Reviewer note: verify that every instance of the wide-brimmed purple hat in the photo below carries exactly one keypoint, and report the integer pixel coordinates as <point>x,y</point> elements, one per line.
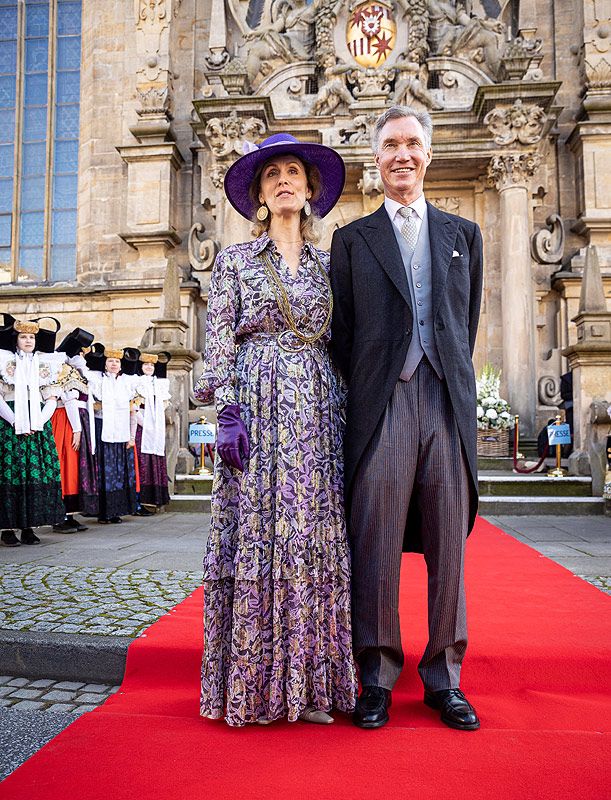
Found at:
<point>241,173</point>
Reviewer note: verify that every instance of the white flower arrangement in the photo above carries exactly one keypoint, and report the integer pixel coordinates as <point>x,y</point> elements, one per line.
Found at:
<point>493,413</point>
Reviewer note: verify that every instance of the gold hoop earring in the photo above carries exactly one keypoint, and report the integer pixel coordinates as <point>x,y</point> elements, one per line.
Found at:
<point>262,213</point>
<point>307,208</point>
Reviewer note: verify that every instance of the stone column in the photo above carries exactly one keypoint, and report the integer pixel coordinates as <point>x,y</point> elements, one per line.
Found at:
<point>509,173</point>
<point>590,362</point>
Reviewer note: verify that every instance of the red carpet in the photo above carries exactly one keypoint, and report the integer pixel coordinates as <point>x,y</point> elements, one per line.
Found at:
<point>537,669</point>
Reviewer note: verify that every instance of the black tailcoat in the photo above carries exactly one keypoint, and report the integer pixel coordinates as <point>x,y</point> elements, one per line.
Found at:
<point>373,321</point>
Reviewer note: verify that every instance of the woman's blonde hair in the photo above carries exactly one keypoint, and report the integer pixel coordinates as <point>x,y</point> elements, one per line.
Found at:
<point>308,224</point>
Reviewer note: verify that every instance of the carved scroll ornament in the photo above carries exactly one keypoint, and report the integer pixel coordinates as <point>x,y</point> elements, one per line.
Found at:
<point>202,252</point>
<point>547,244</point>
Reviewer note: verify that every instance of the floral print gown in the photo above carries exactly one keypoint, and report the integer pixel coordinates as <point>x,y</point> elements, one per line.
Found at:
<point>277,567</point>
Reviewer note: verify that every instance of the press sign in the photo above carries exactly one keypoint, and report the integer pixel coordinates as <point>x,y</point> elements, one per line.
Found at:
<point>559,434</point>
<point>202,433</point>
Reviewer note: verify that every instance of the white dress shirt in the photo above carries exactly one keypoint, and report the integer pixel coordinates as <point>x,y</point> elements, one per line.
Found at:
<point>419,212</point>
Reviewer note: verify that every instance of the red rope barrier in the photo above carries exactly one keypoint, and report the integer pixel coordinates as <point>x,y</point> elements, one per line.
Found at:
<point>523,470</point>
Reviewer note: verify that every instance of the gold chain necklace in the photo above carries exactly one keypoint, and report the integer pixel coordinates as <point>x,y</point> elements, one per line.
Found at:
<point>284,304</point>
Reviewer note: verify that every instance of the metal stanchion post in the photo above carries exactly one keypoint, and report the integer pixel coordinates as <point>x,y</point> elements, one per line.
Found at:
<point>558,471</point>
<point>517,438</point>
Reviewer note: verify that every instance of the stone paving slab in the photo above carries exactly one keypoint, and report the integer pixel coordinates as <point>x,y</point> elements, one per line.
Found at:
<point>65,696</point>
<point>581,544</point>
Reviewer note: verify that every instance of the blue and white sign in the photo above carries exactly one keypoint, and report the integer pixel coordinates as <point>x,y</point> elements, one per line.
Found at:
<point>202,433</point>
<point>559,434</point>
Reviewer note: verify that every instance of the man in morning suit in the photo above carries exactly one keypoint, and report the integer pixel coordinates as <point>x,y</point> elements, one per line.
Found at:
<point>407,283</point>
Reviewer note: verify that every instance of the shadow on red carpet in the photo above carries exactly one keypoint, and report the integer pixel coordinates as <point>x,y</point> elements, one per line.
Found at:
<point>537,670</point>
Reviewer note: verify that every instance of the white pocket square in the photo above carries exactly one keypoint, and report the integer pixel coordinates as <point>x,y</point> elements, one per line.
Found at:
<point>455,254</point>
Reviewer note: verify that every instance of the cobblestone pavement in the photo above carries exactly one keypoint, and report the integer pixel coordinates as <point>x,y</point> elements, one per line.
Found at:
<point>92,600</point>
<point>72,697</point>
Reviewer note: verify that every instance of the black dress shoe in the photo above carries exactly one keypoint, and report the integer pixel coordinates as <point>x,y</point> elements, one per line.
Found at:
<point>144,512</point>
<point>9,539</point>
<point>29,537</point>
<point>115,520</point>
<point>456,711</point>
<point>77,525</point>
<point>372,707</point>
<point>65,527</point>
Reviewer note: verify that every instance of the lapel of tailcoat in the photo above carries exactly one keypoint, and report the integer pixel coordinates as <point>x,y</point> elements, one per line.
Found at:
<point>380,238</point>
<point>442,236</point>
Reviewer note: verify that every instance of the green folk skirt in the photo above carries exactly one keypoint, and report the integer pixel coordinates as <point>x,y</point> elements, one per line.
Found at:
<point>30,486</point>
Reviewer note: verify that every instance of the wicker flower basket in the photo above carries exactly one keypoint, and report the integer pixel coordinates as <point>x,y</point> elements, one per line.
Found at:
<point>493,443</point>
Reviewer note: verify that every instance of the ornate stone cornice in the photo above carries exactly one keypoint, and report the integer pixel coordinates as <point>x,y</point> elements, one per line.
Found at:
<point>512,169</point>
<point>518,123</point>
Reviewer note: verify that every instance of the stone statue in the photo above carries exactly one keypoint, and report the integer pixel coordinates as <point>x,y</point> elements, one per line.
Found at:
<point>410,84</point>
<point>334,91</point>
<point>273,41</point>
<point>454,31</point>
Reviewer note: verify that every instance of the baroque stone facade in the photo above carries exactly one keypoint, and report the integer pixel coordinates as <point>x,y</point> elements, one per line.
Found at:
<point>520,94</point>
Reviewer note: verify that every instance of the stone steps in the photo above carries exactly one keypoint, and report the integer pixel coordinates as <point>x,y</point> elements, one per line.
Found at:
<point>501,493</point>
<point>490,505</point>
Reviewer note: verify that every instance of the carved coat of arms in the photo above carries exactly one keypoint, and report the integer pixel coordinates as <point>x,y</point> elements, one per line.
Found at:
<point>371,33</point>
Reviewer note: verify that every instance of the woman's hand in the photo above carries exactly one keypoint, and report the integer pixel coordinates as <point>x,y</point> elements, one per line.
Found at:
<point>130,444</point>
<point>76,440</point>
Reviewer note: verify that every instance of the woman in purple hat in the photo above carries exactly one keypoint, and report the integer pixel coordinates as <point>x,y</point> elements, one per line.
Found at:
<point>277,566</point>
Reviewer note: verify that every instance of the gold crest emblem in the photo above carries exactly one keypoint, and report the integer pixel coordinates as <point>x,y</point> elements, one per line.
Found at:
<point>371,33</point>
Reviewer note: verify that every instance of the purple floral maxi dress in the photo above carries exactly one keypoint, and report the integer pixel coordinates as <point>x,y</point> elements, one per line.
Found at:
<point>277,566</point>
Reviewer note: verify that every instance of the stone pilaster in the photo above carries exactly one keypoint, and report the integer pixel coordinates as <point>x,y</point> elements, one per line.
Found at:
<point>509,173</point>
<point>590,361</point>
<point>590,140</point>
<point>154,163</point>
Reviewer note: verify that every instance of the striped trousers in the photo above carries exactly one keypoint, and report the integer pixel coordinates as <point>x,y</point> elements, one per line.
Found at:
<point>414,462</point>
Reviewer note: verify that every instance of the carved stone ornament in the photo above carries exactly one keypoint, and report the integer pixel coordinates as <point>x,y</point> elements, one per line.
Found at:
<point>225,135</point>
<point>449,204</point>
<point>153,101</point>
<point>597,45</point>
<point>361,130</point>
<point>512,169</point>
<point>549,391</point>
<point>202,252</point>
<point>234,77</point>
<point>370,82</point>
<point>517,58</point>
<point>547,244</point>
<point>520,123</point>
<point>371,183</point>
<point>154,73</point>
<point>217,174</point>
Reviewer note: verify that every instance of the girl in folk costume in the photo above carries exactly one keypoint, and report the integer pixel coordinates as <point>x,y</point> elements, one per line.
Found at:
<point>115,429</point>
<point>30,488</point>
<point>74,433</point>
<point>154,395</point>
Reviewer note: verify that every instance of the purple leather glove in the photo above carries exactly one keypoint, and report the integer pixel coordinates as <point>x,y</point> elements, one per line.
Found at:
<point>232,438</point>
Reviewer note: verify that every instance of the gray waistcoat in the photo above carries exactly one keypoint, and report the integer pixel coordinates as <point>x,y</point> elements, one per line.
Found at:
<point>419,279</point>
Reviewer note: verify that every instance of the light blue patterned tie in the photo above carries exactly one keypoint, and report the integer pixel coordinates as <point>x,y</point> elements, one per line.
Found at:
<point>409,230</point>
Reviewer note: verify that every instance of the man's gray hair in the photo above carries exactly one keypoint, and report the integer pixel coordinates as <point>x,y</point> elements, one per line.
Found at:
<point>396,112</point>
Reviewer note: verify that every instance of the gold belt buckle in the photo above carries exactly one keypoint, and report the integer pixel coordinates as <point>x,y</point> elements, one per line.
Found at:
<point>290,348</point>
